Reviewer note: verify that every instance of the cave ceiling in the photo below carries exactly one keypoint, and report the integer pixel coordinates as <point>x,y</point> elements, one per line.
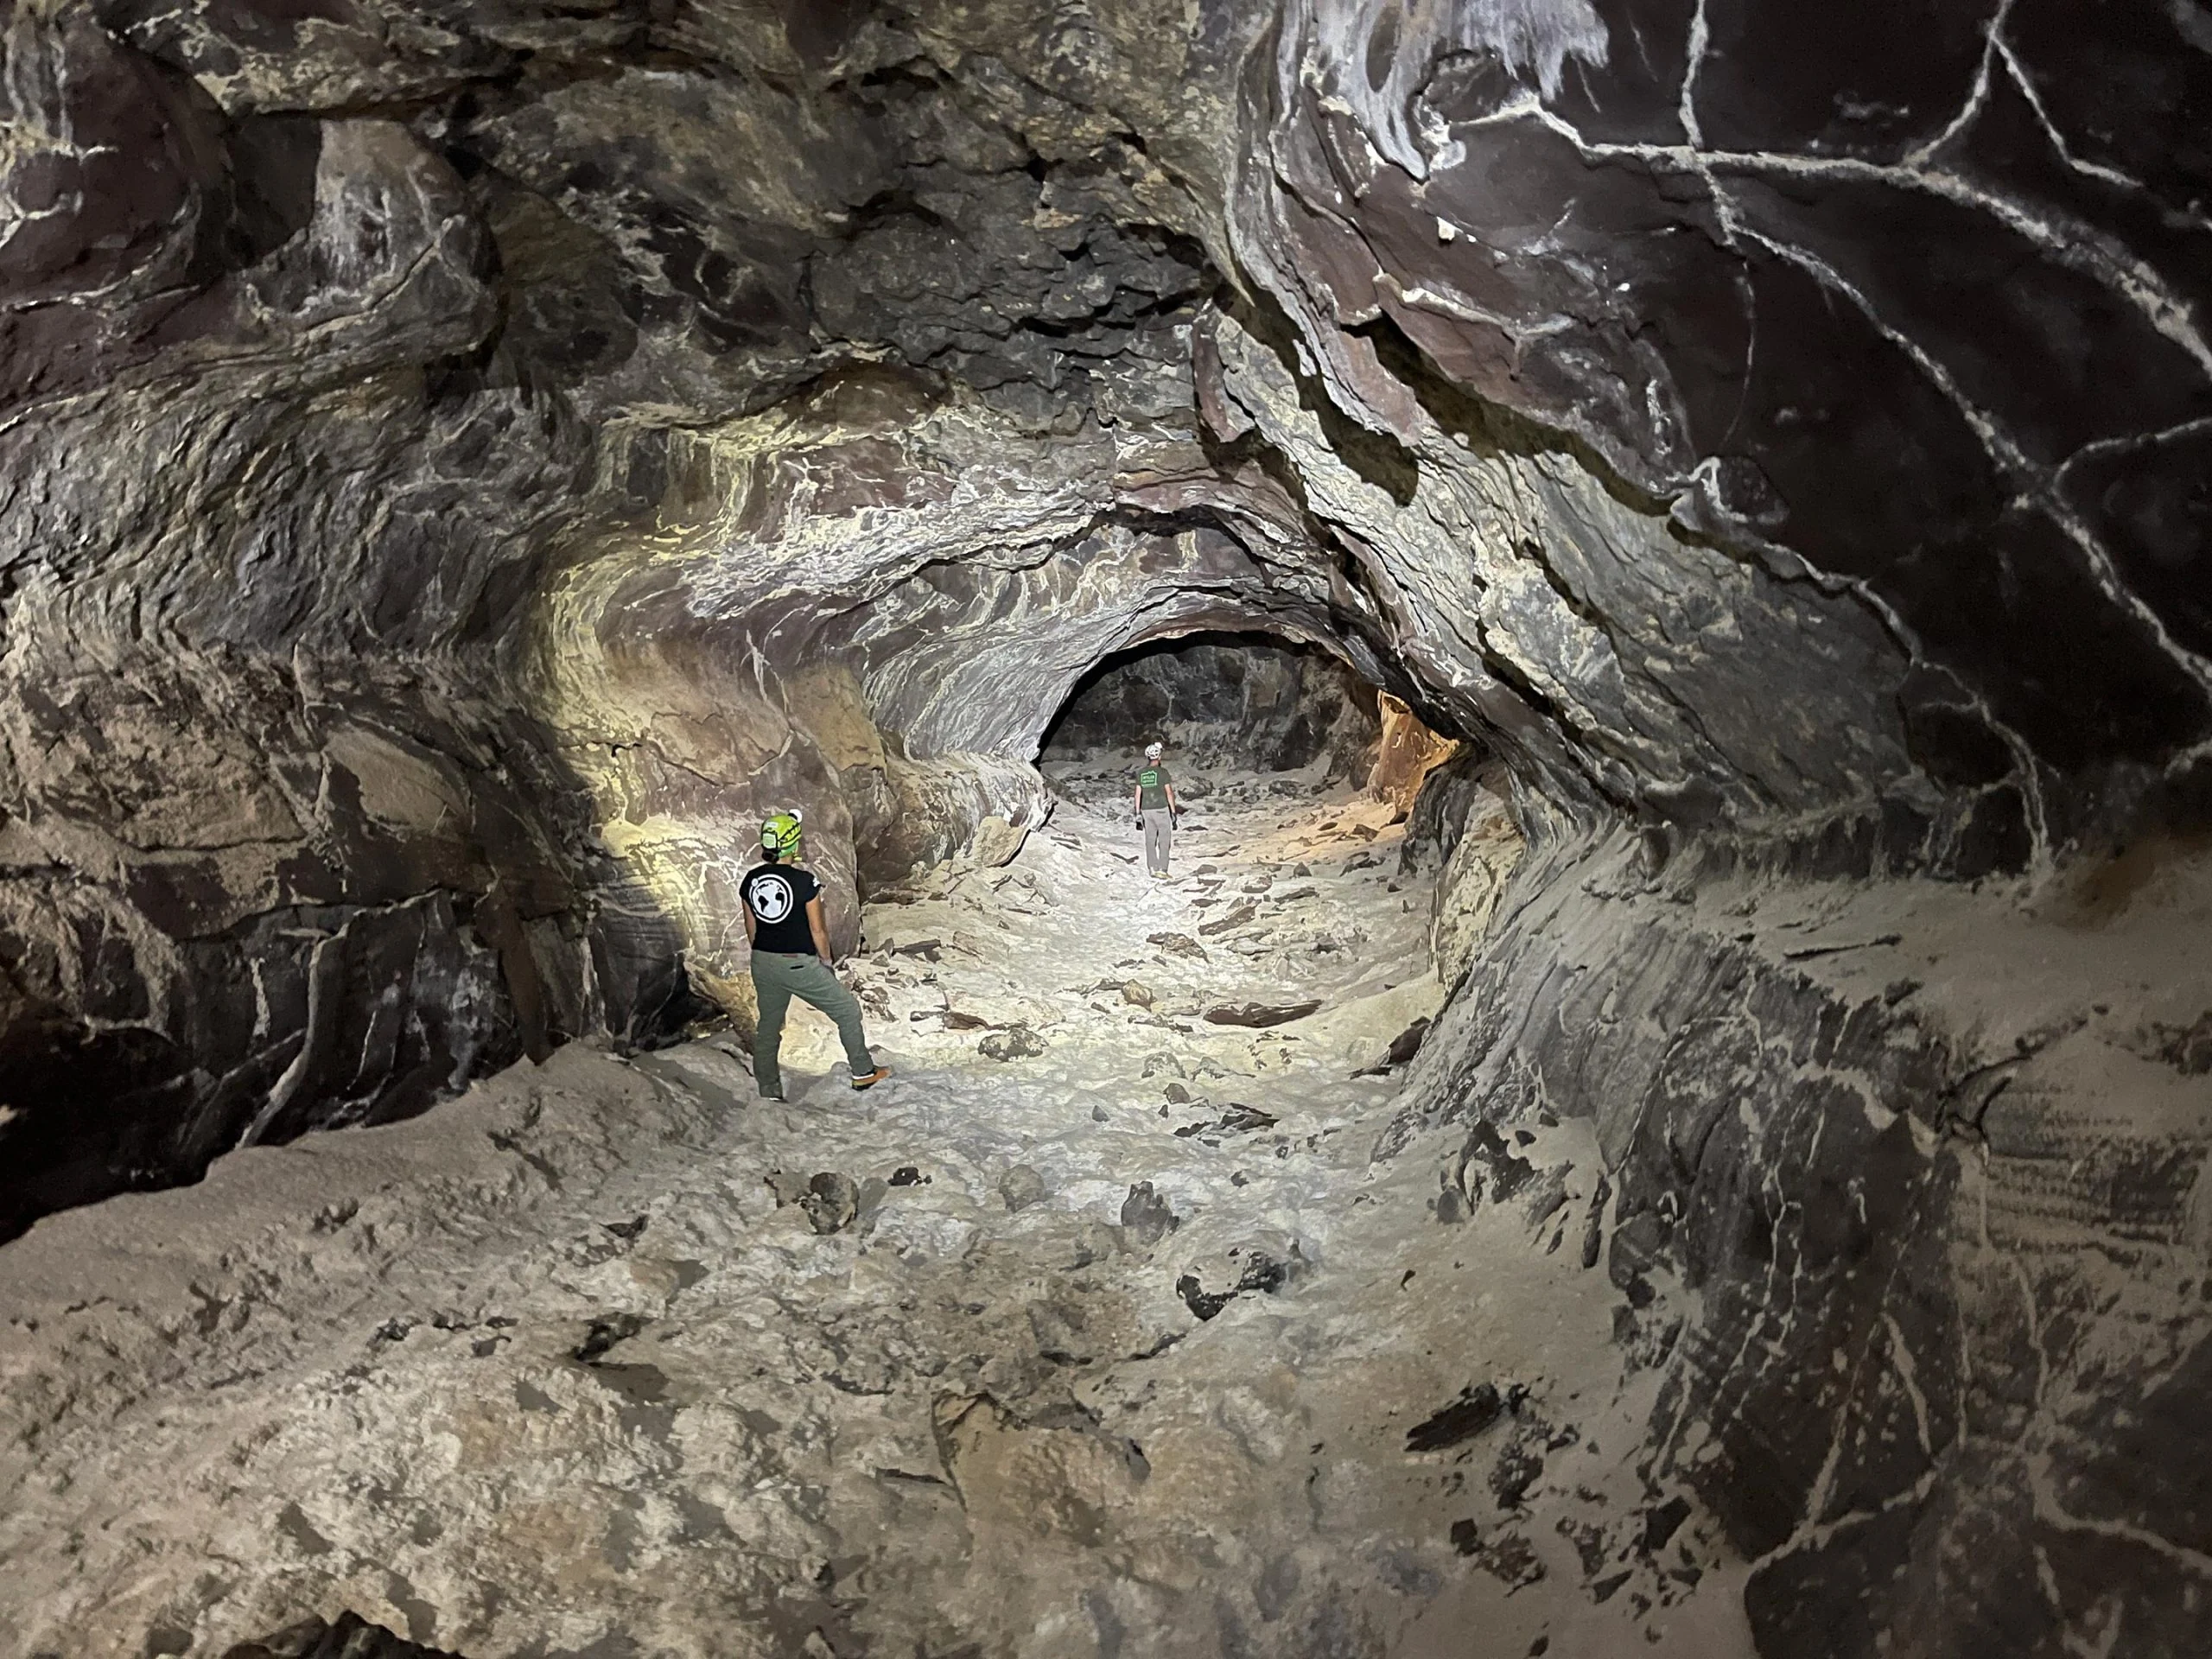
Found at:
<point>1565,334</point>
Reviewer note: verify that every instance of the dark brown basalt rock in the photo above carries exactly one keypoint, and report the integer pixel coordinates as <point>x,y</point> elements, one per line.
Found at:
<point>1260,1016</point>
<point>1805,1164</point>
<point>350,1637</point>
<point>449,500</point>
<point>1475,1410</point>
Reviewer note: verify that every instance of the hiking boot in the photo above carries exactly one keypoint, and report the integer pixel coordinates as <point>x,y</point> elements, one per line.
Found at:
<point>873,1077</point>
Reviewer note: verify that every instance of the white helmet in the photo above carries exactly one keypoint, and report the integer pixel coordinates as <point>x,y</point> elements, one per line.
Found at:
<point>1152,750</point>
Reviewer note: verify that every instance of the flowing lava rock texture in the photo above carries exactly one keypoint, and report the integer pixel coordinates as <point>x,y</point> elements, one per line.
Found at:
<point>465,460</point>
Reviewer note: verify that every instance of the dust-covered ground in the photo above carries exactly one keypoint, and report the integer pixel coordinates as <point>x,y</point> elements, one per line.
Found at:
<point>1093,1332</point>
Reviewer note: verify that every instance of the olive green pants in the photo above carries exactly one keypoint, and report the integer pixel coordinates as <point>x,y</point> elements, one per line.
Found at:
<point>777,978</point>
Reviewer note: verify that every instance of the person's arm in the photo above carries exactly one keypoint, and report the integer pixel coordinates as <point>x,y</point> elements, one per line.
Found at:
<point>749,923</point>
<point>1137,802</point>
<point>819,928</point>
<point>1174,806</point>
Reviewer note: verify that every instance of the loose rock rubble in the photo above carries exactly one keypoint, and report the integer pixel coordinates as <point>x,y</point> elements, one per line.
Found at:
<point>609,1356</point>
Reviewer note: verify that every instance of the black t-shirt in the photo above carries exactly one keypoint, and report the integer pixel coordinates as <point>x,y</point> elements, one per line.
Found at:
<point>777,895</point>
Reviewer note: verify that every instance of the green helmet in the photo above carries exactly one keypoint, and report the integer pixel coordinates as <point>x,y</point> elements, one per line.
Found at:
<point>780,834</point>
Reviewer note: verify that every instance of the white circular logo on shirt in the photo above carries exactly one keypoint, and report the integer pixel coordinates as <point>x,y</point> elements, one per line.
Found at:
<point>771,897</point>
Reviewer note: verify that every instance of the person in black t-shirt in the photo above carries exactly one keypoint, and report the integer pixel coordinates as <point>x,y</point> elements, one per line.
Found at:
<point>790,957</point>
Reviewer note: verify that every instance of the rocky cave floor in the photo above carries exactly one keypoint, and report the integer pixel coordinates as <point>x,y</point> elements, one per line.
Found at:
<point>1094,1332</point>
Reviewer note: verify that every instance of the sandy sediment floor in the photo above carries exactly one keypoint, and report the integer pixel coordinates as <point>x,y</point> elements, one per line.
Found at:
<point>1093,1332</point>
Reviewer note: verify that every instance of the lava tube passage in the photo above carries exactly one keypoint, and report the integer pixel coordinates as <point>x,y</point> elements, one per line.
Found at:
<point>1311,830</point>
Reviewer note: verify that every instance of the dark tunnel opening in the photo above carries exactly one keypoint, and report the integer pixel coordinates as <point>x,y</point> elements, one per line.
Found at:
<point>1254,711</point>
<point>1252,700</point>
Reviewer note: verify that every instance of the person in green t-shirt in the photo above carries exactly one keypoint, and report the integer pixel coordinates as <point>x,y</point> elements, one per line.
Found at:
<point>1157,809</point>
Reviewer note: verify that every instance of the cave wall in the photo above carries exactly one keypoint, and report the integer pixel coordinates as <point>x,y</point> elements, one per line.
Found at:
<point>275,857</point>
<point>1904,1176</point>
<point>448,500</point>
<point>1907,1218</point>
<point>1867,335</point>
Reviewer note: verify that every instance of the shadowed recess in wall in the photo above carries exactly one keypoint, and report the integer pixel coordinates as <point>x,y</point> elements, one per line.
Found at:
<point>350,1637</point>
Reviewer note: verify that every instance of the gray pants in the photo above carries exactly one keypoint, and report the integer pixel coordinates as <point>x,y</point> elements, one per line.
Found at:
<point>1158,833</point>
<point>777,978</point>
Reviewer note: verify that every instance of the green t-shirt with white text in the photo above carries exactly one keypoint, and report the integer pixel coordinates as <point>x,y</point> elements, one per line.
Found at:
<point>1152,782</point>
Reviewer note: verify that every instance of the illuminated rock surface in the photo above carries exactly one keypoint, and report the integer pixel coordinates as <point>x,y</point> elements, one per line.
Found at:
<point>465,460</point>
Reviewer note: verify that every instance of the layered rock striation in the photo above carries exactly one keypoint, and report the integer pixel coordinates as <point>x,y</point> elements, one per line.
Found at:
<point>465,461</point>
